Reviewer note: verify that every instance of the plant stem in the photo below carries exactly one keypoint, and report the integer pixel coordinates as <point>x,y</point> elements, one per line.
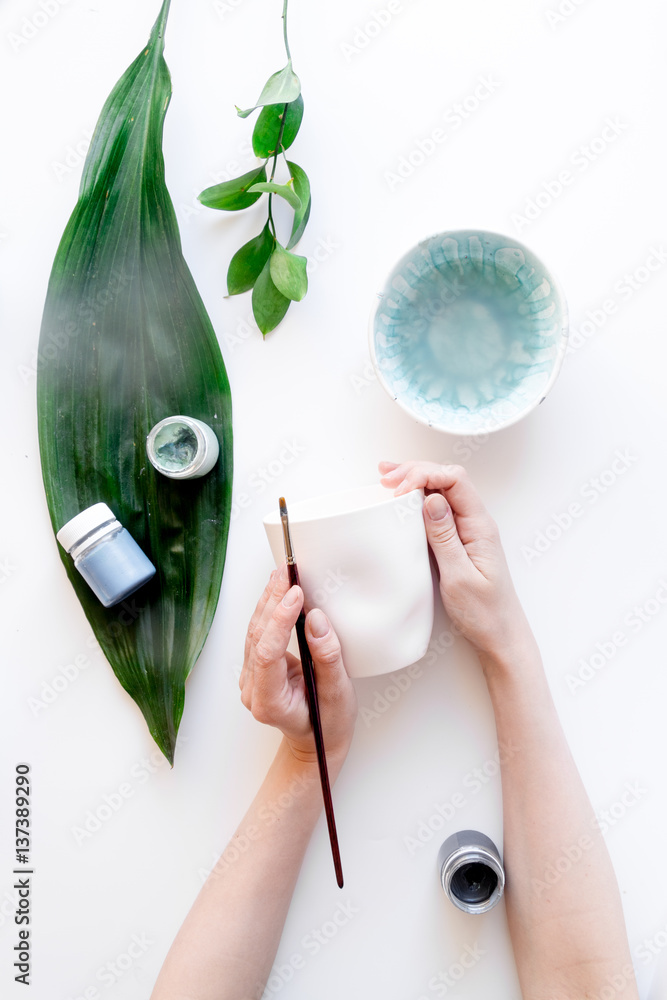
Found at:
<point>289,56</point>
<point>276,153</point>
<point>282,124</point>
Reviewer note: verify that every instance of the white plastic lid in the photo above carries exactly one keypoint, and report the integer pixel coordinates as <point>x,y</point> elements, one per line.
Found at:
<point>82,524</point>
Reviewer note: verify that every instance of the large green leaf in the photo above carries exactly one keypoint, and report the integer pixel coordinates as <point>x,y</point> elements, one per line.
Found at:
<point>129,342</point>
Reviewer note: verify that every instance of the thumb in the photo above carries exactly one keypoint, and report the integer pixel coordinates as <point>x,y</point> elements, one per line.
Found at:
<point>441,533</point>
<point>324,648</point>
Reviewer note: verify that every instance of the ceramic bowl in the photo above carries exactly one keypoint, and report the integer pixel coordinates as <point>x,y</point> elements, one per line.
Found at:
<point>469,332</point>
<point>363,559</point>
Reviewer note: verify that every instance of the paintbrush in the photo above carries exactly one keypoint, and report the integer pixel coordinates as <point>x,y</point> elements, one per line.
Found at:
<point>311,696</point>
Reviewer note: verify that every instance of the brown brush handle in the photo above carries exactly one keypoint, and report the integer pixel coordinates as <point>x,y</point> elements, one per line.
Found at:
<point>314,709</point>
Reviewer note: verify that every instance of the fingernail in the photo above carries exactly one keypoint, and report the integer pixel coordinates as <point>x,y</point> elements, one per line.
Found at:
<point>319,626</point>
<point>436,506</point>
<point>291,597</point>
<point>282,572</point>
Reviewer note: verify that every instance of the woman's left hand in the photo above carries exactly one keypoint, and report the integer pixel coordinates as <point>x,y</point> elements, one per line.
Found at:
<point>271,682</point>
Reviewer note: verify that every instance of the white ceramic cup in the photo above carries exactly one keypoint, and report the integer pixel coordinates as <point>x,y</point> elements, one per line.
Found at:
<point>362,557</point>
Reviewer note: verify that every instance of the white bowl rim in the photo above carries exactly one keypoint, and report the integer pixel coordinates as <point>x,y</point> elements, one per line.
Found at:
<point>558,360</point>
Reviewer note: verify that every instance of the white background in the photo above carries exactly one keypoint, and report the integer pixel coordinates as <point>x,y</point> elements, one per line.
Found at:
<point>371,97</point>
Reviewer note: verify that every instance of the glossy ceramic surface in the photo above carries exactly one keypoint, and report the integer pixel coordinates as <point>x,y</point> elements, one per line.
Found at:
<point>469,332</point>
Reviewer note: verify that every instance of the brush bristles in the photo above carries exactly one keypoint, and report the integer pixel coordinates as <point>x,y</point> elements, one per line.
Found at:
<point>283,507</point>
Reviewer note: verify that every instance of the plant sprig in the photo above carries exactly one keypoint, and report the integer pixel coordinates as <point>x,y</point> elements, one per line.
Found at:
<point>276,276</point>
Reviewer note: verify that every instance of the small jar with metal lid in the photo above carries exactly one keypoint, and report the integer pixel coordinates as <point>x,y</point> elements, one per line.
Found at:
<point>471,871</point>
<point>181,447</point>
<point>105,554</point>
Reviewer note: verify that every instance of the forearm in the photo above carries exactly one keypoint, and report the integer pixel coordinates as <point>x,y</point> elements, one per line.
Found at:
<point>563,904</point>
<point>227,944</point>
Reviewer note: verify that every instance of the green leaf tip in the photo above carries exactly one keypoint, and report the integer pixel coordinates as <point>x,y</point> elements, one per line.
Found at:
<point>158,28</point>
<point>236,194</point>
<point>288,273</point>
<point>269,305</point>
<point>281,88</point>
<point>247,263</point>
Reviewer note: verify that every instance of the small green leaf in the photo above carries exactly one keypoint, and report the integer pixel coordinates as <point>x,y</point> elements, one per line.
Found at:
<point>267,128</point>
<point>302,190</point>
<point>284,190</point>
<point>268,304</point>
<point>288,272</point>
<point>281,88</point>
<point>247,263</point>
<point>231,196</point>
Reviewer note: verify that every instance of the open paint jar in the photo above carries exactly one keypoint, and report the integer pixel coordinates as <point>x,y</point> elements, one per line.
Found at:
<point>182,448</point>
<point>471,871</point>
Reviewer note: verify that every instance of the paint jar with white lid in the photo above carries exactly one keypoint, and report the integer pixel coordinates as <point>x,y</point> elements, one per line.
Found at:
<point>181,447</point>
<point>105,554</point>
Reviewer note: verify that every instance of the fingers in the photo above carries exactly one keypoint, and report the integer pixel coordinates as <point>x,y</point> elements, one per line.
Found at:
<point>324,648</point>
<point>274,592</point>
<point>254,621</point>
<point>472,518</point>
<point>271,688</point>
<point>443,536</point>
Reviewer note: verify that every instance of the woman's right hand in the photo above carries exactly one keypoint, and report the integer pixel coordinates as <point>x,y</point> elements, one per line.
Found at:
<point>475,582</point>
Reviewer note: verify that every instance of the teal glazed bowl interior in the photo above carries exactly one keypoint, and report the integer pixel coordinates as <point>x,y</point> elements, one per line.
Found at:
<point>469,332</point>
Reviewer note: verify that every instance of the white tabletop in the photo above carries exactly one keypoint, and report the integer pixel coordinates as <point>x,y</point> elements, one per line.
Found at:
<point>559,104</point>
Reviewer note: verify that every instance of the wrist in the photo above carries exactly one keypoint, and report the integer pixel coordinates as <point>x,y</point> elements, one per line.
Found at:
<point>514,657</point>
<point>302,760</point>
